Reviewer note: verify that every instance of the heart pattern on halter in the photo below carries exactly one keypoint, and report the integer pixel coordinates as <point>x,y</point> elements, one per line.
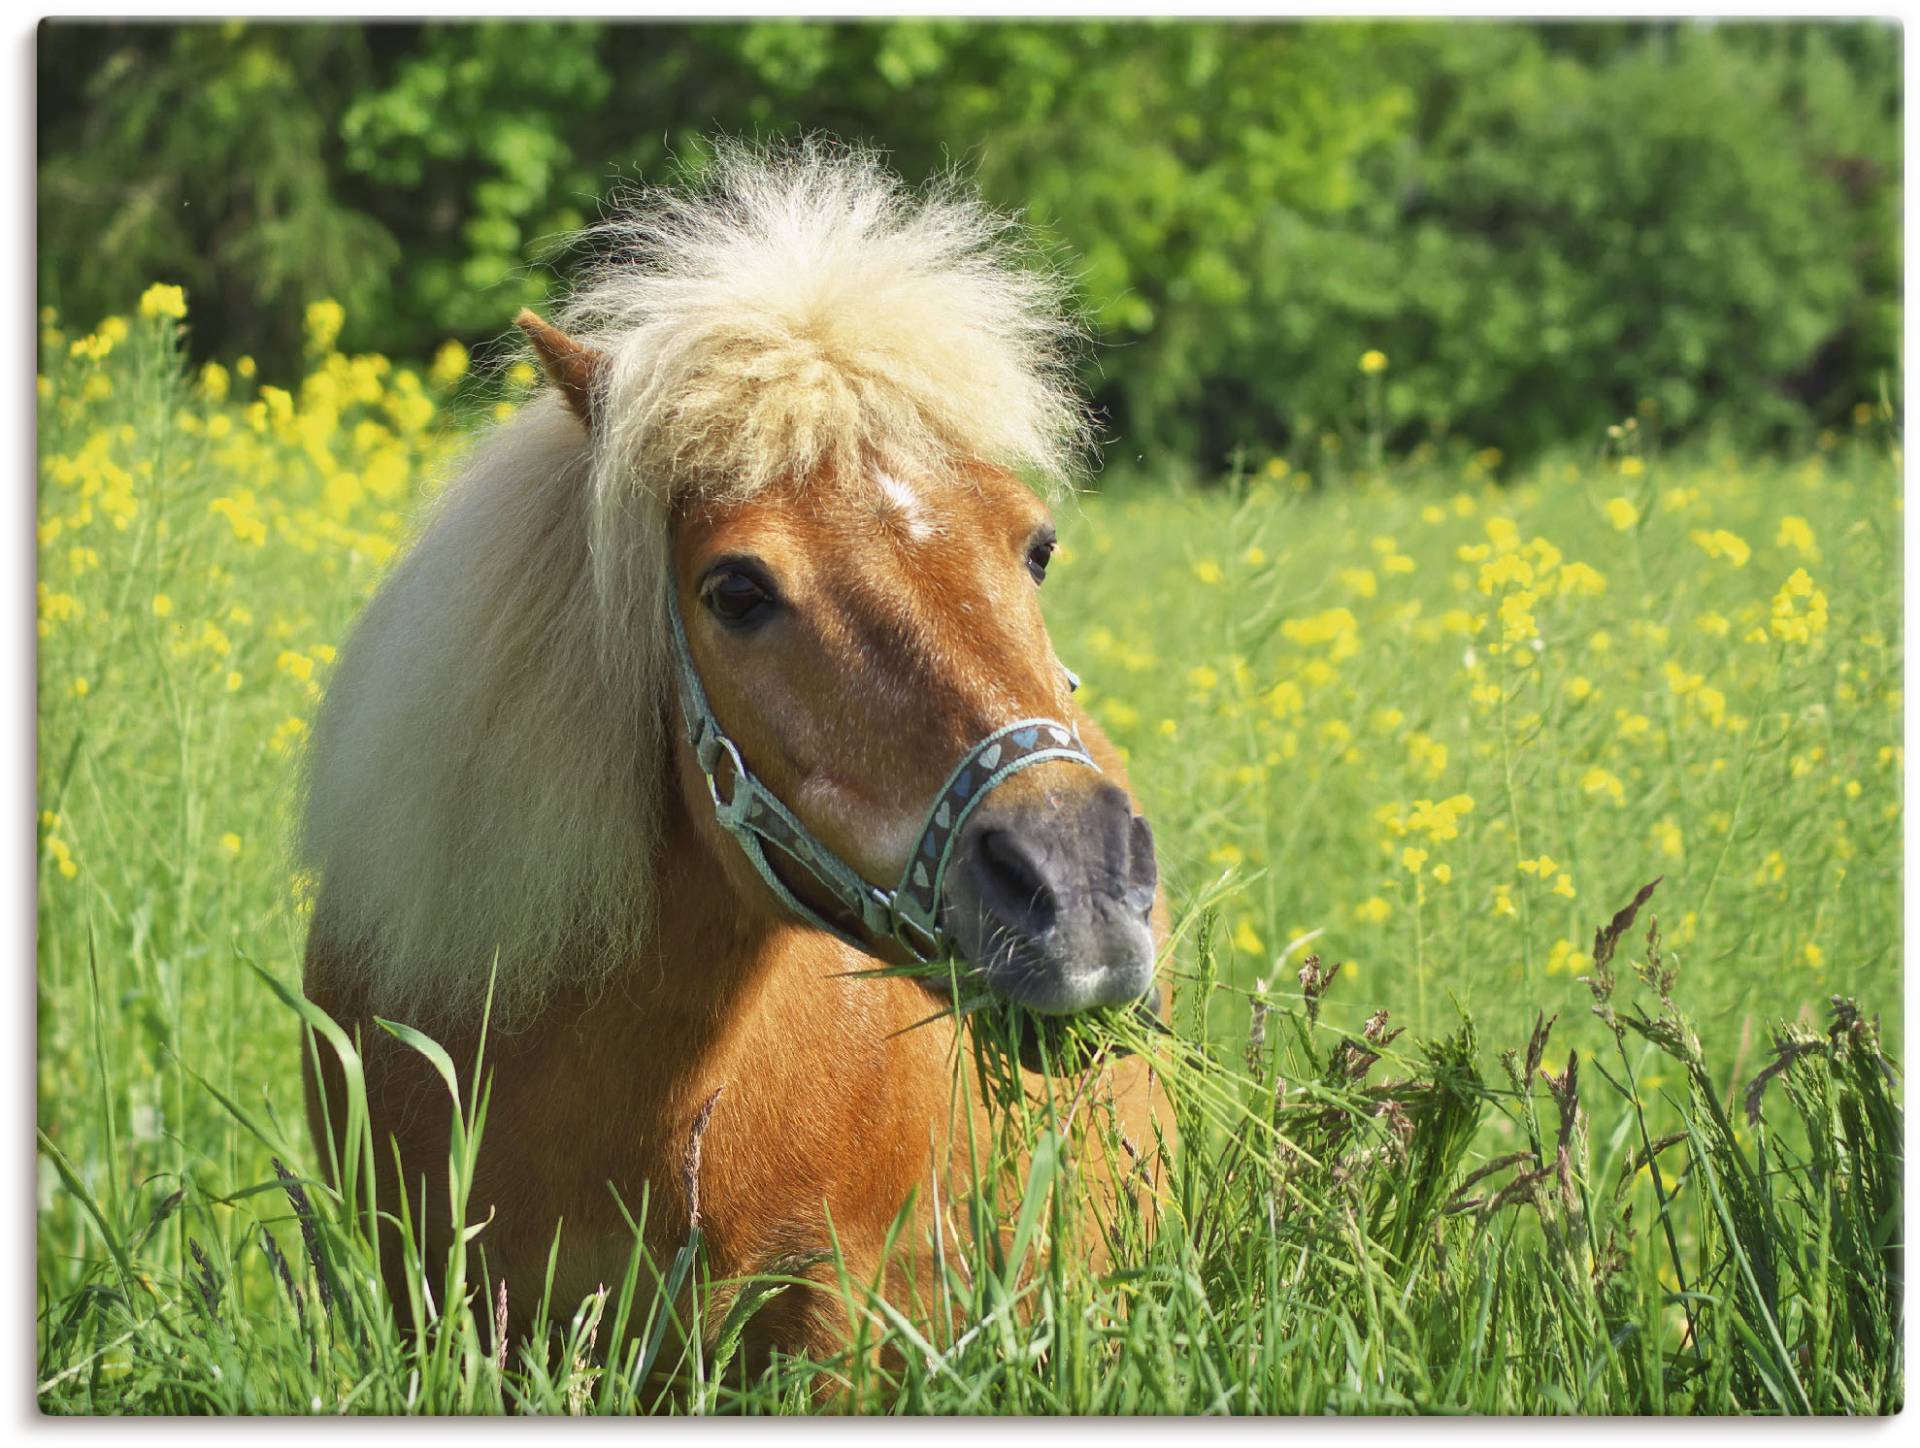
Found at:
<point>1006,751</point>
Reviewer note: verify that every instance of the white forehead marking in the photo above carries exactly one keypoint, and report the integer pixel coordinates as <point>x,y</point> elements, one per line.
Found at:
<point>903,501</point>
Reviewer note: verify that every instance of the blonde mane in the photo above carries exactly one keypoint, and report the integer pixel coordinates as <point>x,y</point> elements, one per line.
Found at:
<point>485,774</point>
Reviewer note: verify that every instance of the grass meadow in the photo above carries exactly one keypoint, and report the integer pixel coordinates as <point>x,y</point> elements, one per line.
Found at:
<point>1472,1121</point>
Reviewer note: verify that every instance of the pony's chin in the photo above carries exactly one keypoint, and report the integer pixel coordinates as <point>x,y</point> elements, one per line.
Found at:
<point>1102,962</point>
<point>1048,1036</point>
<point>1063,1045</point>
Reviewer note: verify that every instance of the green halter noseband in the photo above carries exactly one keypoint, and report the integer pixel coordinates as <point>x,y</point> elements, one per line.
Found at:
<point>908,914</point>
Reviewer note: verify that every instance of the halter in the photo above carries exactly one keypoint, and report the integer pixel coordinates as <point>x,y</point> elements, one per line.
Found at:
<point>909,913</point>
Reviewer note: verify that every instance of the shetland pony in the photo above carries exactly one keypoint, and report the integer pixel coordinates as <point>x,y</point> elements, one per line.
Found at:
<point>734,627</point>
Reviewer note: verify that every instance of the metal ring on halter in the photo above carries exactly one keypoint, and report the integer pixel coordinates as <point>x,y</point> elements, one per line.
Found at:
<point>909,914</point>
<point>734,793</point>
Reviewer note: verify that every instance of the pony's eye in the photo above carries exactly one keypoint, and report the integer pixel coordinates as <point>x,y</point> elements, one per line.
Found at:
<point>736,597</point>
<point>1039,554</point>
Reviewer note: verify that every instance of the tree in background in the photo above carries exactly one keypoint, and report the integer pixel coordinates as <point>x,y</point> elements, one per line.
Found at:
<point>1544,227</point>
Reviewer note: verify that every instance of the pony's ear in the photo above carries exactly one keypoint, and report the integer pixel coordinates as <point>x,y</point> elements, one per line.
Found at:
<point>573,367</point>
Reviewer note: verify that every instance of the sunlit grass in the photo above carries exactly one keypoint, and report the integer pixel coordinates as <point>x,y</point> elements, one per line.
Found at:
<point>1406,740</point>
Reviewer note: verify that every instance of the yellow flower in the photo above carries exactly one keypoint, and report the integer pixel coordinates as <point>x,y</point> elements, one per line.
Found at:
<point>1413,859</point>
<point>62,857</point>
<point>1564,886</point>
<point>1680,681</point>
<point>1503,533</point>
<point>1631,467</point>
<point>324,321</point>
<point>1602,781</point>
<point>1373,361</point>
<point>1504,570</point>
<point>1796,534</point>
<point>1799,610</point>
<point>1719,543</point>
<point>1443,874</point>
<point>230,842</point>
<point>1439,821</point>
<point>1208,571</point>
<point>1246,938</point>
<point>161,300</point>
<point>81,688</point>
<point>1373,910</point>
<point>1428,753</point>
<point>162,605</point>
<point>1565,957</point>
<point>449,365</point>
<point>288,733</point>
<point>1517,623</point>
<point>1580,578</point>
<point>1622,514</point>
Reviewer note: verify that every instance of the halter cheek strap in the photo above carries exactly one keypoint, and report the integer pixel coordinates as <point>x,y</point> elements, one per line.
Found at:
<point>908,914</point>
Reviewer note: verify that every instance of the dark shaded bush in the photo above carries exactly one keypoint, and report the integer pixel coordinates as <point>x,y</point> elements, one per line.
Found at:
<point>1540,225</point>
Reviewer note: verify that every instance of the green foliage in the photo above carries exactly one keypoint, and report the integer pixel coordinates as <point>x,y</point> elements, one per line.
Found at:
<point>1669,225</point>
<point>1540,225</point>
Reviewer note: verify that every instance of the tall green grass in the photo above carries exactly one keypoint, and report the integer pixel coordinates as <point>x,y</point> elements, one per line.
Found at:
<point>1329,1241</point>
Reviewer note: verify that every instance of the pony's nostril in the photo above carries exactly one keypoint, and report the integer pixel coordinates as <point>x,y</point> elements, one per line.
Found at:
<point>1011,885</point>
<point>1143,872</point>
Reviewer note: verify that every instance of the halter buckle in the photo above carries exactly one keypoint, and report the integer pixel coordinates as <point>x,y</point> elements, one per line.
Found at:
<point>929,946</point>
<point>731,810</point>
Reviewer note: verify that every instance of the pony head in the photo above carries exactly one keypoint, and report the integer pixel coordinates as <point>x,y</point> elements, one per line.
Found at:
<point>794,405</point>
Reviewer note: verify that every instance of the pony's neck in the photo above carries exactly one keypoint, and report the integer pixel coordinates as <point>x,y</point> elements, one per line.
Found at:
<point>711,943</point>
